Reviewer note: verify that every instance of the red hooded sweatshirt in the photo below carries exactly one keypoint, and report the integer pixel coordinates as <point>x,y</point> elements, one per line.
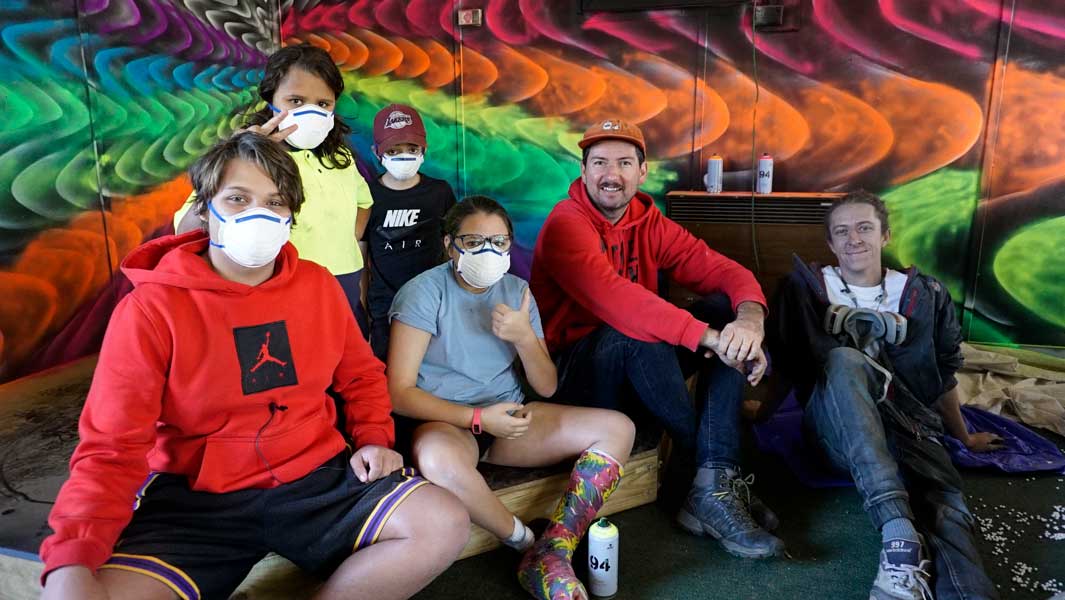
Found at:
<point>587,271</point>
<point>191,368</point>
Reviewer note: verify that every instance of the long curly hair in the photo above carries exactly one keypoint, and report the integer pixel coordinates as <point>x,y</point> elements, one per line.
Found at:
<point>334,152</point>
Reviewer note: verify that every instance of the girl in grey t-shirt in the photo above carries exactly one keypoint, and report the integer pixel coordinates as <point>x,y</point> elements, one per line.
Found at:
<point>458,331</point>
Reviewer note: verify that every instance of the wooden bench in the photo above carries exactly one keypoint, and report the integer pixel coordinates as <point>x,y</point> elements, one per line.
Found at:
<point>38,433</point>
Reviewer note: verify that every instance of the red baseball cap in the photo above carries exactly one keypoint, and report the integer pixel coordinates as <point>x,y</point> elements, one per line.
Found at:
<point>613,129</point>
<point>398,124</point>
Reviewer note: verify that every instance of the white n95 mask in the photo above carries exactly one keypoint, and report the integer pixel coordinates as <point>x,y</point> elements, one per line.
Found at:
<point>314,124</point>
<point>482,268</point>
<point>403,166</point>
<point>253,237</point>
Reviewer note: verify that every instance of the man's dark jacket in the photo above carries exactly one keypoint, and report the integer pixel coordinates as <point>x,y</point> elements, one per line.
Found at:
<point>923,366</point>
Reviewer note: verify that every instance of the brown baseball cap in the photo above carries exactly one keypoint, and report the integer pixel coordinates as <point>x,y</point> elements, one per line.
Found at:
<point>398,124</point>
<point>613,129</point>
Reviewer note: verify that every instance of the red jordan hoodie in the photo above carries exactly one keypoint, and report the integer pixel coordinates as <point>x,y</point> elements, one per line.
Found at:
<point>191,368</point>
<point>587,271</point>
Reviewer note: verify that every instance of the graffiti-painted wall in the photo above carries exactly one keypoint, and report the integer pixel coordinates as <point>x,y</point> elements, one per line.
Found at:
<point>953,110</point>
<point>105,104</point>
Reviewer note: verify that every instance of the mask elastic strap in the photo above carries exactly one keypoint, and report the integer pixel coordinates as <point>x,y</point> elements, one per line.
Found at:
<point>214,212</point>
<point>210,207</point>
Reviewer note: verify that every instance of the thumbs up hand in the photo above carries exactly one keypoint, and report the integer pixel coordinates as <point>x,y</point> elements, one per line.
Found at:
<point>512,325</point>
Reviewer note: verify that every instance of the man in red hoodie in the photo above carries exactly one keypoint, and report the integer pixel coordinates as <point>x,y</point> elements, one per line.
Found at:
<point>595,274</point>
<point>208,438</point>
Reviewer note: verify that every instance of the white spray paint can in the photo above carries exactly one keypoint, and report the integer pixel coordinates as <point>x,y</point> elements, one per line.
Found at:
<point>764,183</point>
<point>603,559</point>
<point>715,170</point>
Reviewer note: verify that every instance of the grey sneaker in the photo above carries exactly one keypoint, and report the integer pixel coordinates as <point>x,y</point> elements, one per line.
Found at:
<point>904,573</point>
<point>718,506</point>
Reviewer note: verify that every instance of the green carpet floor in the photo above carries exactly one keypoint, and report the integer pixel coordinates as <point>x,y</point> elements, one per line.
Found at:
<point>832,544</point>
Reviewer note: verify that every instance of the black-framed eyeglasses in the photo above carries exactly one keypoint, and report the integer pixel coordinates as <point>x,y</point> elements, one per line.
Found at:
<point>476,241</point>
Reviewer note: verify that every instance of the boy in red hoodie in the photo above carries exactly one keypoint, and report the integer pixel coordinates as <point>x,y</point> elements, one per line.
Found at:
<point>208,439</point>
<point>595,274</point>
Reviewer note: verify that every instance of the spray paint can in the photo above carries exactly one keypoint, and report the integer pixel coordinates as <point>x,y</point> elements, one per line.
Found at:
<point>715,169</point>
<point>603,559</point>
<point>764,183</point>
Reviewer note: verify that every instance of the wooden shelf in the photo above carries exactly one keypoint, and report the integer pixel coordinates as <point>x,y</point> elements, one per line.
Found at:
<point>820,196</point>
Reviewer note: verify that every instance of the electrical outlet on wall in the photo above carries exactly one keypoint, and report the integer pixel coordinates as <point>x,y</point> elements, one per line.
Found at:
<point>470,17</point>
<point>770,16</point>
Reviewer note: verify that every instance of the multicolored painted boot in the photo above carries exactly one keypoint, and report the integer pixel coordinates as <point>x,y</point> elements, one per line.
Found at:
<point>546,571</point>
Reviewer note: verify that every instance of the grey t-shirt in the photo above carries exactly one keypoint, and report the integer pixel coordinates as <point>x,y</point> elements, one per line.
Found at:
<point>465,362</point>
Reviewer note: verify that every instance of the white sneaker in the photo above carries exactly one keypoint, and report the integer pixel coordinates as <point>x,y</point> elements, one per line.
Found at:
<point>904,573</point>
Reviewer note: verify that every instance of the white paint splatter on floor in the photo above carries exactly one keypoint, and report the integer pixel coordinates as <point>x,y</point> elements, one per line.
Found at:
<point>1004,527</point>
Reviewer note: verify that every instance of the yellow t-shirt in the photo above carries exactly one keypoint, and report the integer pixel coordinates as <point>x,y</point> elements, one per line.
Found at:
<point>325,226</point>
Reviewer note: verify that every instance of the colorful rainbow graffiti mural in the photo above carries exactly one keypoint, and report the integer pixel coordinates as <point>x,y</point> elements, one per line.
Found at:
<point>952,109</point>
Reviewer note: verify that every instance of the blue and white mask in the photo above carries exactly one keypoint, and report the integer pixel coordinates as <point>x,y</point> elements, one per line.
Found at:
<point>253,237</point>
<point>482,268</point>
<point>403,166</point>
<point>314,125</point>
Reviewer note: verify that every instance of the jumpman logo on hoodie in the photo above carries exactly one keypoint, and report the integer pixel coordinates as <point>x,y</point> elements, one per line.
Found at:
<point>265,357</point>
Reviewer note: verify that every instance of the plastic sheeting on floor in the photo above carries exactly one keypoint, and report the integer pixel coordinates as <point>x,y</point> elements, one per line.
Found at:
<point>1016,384</point>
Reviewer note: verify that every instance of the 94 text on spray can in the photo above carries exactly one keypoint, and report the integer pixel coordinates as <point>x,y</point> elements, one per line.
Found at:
<point>764,182</point>
<point>603,559</point>
<point>715,169</point>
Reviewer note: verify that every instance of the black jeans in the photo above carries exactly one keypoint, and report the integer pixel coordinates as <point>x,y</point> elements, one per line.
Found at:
<point>352,286</point>
<point>380,332</point>
<point>604,367</point>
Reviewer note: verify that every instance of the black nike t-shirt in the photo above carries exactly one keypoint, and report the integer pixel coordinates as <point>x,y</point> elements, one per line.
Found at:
<point>404,236</point>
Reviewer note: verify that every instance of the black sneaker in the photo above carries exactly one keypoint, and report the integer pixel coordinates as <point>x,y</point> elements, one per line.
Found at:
<point>718,506</point>
<point>904,573</point>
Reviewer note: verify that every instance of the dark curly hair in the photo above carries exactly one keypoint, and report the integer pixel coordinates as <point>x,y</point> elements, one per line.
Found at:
<point>334,152</point>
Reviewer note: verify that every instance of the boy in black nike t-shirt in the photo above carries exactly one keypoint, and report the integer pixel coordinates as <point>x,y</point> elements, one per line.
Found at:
<point>405,227</point>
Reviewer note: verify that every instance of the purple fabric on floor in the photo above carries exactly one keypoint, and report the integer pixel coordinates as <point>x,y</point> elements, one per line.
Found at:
<point>1024,450</point>
<point>782,435</point>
